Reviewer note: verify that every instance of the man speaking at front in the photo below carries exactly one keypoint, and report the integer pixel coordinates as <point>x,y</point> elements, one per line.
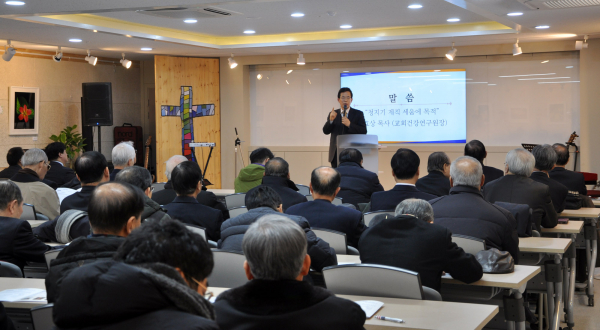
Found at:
<point>345,120</point>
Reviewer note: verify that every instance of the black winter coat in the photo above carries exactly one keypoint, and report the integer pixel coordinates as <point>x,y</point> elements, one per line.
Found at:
<point>357,184</point>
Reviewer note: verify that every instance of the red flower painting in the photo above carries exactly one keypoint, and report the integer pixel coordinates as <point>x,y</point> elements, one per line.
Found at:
<point>24,113</point>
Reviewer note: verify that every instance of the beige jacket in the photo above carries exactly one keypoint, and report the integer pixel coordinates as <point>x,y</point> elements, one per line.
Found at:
<point>42,197</point>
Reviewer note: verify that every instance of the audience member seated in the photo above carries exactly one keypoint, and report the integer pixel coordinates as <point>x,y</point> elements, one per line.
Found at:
<point>263,200</point>
<point>436,182</point>
<point>35,192</point>
<point>13,158</point>
<point>5,321</point>
<point>115,210</point>
<point>476,149</point>
<point>186,179</point>
<point>140,177</point>
<point>321,213</point>
<point>58,172</point>
<point>357,184</point>
<point>252,175</point>
<point>92,169</point>
<point>405,169</point>
<point>572,180</point>
<point>545,159</point>
<point>277,176</point>
<point>465,212</point>
<point>156,281</point>
<point>516,187</point>
<point>123,155</point>
<point>276,297</point>
<point>411,241</point>
<point>17,243</point>
<point>167,195</point>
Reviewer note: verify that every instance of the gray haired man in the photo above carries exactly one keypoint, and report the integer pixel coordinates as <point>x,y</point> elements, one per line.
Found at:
<point>123,155</point>
<point>276,297</point>
<point>545,160</point>
<point>516,187</point>
<point>35,192</point>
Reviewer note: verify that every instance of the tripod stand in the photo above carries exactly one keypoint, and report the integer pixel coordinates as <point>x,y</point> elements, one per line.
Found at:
<point>239,154</point>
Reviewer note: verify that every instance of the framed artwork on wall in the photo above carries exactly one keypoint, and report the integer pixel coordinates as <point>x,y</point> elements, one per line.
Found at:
<point>24,115</point>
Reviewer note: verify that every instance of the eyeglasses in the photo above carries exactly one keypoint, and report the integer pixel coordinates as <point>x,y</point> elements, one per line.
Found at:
<point>47,164</point>
<point>345,98</point>
<point>152,189</point>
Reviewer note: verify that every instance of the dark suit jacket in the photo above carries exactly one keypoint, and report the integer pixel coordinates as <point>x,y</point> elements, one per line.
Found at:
<point>286,189</point>
<point>59,173</point>
<point>357,184</point>
<point>114,173</point>
<point>357,126</point>
<point>388,200</point>
<point>207,198</point>
<point>320,213</point>
<point>188,210</point>
<point>9,172</point>
<point>77,201</point>
<point>491,173</point>
<point>465,212</point>
<point>522,190</point>
<point>558,191</point>
<point>572,180</point>
<point>17,243</point>
<point>434,183</point>
<point>413,244</point>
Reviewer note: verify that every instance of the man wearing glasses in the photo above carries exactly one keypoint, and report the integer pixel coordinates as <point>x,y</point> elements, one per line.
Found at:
<point>35,192</point>
<point>345,120</point>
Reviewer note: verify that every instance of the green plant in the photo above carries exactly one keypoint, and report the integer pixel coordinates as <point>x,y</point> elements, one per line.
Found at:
<point>73,141</point>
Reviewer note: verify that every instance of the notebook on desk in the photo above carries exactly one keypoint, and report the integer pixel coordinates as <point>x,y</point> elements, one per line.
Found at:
<point>370,307</point>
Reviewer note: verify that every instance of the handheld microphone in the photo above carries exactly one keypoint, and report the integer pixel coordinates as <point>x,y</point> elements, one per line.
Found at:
<point>345,108</point>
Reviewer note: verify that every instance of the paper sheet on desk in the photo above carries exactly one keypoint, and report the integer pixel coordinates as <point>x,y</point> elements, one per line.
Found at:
<point>370,307</point>
<point>23,295</point>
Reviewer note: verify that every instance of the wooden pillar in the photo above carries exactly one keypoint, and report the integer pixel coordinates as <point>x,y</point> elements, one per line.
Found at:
<point>202,74</point>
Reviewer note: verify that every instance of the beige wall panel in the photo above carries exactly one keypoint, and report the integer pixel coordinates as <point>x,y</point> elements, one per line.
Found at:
<point>302,164</point>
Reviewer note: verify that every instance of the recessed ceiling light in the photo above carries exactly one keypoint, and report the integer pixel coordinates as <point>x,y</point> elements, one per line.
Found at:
<point>128,35</point>
<point>453,20</point>
<point>259,76</point>
<point>15,3</point>
<point>346,71</point>
<point>546,61</point>
<point>297,15</point>
<point>95,31</point>
<point>290,71</point>
<point>569,67</point>
<point>515,14</point>
<point>346,26</point>
<point>249,32</point>
<point>542,27</point>
<point>75,40</point>
<point>436,70</point>
<point>415,6</point>
<point>190,21</point>
<point>146,49</point>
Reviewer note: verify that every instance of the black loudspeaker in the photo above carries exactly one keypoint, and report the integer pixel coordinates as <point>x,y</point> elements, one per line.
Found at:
<point>96,104</point>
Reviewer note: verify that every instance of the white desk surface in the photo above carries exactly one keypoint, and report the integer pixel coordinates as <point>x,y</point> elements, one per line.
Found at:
<point>544,244</point>
<point>222,192</point>
<point>21,283</point>
<point>596,202</point>
<point>423,314</point>
<point>573,227</point>
<point>35,223</point>
<point>514,280</point>
<point>584,212</point>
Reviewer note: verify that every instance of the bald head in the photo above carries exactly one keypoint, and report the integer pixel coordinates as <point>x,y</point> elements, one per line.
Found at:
<point>115,208</point>
<point>277,167</point>
<point>172,162</point>
<point>466,171</point>
<point>325,181</point>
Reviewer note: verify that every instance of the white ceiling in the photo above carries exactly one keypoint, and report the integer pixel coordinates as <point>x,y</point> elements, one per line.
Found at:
<point>273,17</point>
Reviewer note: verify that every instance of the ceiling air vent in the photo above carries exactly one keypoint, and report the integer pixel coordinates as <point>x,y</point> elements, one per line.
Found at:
<point>217,11</point>
<point>187,12</point>
<point>558,4</point>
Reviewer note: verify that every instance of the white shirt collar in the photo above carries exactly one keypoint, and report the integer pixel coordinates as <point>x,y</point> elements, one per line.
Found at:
<point>56,161</point>
<point>405,184</point>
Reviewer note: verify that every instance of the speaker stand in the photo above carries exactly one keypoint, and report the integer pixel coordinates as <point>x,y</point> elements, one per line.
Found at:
<point>100,139</point>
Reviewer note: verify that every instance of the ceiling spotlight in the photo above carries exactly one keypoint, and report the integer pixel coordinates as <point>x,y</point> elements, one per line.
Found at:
<point>415,6</point>
<point>546,61</point>
<point>15,3</point>
<point>232,62</point>
<point>259,76</point>
<point>9,52</point>
<point>542,27</point>
<point>515,14</point>
<point>94,31</point>
<point>346,26</point>
<point>58,55</point>
<point>300,60</point>
<point>124,62</point>
<point>289,71</point>
<point>91,59</point>
<point>146,49</point>
<point>516,49</point>
<point>249,32</point>
<point>452,20</point>
<point>297,15</point>
<point>451,53</point>
<point>190,21</point>
<point>579,45</point>
<point>75,40</point>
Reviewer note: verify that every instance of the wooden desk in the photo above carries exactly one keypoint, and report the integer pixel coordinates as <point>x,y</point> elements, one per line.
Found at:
<point>573,227</point>
<point>596,202</point>
<point>544,244</point>
<point>20,283</point>
<point>584,212</point>
<point>423,314</point>
<point>35,223</point>
<point>222,192</point>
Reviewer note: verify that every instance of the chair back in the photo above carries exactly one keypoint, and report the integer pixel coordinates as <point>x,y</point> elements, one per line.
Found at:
<point>470,244</point>
<point>10,270</point>
<point>336,239</point>
<point>197,229</point>
<point>369,216</point>
<point>28,212</point>
<point>431,294</point>
<point>229,269</point>
<point>234,212</point>
<point>158,186</point>
<point>42,317</point>
<point>50,255</point>
<point>373,280</point>
<point>337,201</point>
<point>309,198</point>
<point>235,200</point>
<point>304,190</point>
<point>522,213</point>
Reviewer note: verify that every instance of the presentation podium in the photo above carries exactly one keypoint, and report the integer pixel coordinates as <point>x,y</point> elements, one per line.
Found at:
<point>368,145</point>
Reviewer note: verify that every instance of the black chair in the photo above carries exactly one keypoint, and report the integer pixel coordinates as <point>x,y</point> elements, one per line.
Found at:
<point>10,270</point>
